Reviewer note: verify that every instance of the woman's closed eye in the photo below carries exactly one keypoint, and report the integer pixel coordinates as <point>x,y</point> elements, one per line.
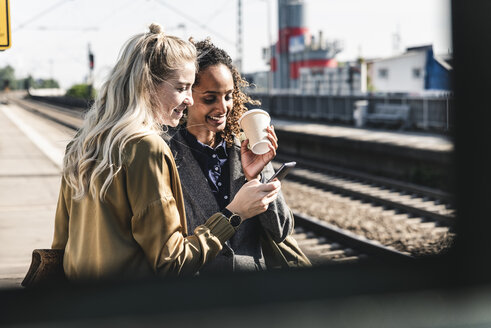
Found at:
<point>212,99</point>
<point>183,88</point>
<point>209,100</point>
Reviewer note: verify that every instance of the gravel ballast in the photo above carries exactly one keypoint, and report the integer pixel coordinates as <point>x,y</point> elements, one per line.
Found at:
<point>413,236</point>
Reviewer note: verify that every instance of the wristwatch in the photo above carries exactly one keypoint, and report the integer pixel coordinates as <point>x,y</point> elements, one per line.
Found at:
<point>234,219</point>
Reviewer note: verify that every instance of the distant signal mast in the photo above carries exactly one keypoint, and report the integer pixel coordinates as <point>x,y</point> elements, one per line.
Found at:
<point>238,61</point>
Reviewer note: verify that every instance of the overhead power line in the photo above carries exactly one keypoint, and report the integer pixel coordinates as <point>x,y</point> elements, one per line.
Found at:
<point>67,28</point>
<point>41,14</point>
<point>115,11</point>
<point>220,9</point>
<point>196,22</point>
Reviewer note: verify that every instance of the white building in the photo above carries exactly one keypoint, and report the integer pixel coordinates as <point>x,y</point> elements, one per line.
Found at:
<point>414,71</point>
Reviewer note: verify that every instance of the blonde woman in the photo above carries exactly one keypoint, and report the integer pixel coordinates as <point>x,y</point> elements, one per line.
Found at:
<point>120,212</point>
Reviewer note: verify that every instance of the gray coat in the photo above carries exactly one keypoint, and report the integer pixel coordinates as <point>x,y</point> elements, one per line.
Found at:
<point>243,251</point>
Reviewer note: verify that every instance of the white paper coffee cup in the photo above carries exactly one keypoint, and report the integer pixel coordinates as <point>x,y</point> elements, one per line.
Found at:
<point>254,123</point>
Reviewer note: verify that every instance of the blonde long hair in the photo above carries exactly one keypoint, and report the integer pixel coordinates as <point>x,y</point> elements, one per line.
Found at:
<point>124,110</point>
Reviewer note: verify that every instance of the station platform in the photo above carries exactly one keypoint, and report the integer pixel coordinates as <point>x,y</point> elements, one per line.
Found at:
<point>31,153</point>
<point>419,158</point>
<point>409,139</point>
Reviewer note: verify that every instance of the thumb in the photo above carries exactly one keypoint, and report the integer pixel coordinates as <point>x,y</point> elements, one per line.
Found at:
<point>244,144</point>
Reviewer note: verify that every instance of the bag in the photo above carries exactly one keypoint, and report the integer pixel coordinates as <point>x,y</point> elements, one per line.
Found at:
<point>46,267</point>
<point>286,254</point>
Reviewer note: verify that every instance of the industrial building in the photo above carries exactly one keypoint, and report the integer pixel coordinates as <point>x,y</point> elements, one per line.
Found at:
<point>303,63</point>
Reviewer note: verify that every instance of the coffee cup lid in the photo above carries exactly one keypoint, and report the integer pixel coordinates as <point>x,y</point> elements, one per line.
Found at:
<point>252,111</point>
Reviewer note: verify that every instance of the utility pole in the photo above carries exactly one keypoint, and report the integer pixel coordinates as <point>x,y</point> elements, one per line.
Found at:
<point>270,45</point>
<point>239,36</point>
<point>396,41</point>
<point>90,81</point>
<point>51,69</point>
<point>182,27</point>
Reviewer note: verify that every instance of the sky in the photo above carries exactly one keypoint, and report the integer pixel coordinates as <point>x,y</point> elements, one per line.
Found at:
<point>50,38</point>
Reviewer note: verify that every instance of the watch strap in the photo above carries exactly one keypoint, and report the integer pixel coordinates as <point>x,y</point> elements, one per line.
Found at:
<point>227,213</point>
<point>234,219</point>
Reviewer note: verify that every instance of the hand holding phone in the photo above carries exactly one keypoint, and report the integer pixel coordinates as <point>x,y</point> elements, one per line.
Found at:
<point>283,171</point>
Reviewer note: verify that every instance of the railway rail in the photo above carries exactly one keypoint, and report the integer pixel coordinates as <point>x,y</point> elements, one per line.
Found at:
<point>430,209</point>
<point>425,203</point>
<point>323,242</point>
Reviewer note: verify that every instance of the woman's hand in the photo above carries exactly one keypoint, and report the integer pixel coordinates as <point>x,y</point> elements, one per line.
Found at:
<point>253,164</point>
<point>254,198</point>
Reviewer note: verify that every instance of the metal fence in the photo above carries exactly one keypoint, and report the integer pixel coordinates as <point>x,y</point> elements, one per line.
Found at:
<point>433,113</point>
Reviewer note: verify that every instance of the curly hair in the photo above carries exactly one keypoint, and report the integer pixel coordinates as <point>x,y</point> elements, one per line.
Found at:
<point>210,55</point>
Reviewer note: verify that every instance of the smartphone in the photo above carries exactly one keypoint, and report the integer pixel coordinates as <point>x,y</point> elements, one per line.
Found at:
<point>283,171</point>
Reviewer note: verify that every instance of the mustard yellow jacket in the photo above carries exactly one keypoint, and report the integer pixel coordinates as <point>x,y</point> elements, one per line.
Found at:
<point>139,230</point>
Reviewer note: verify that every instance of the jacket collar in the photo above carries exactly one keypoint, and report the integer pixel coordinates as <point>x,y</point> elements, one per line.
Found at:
<point>191,175</point>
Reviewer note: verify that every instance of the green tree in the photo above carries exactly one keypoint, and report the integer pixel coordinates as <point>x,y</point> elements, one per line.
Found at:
<point>81,91</point>
<point>49,83</point>
<point>7,77</point>
<point>8,80</point>
<point>28,82</point>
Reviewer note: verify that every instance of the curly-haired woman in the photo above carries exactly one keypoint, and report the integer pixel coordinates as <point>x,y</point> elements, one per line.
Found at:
<point>213,165</point>
<point>120,212</point>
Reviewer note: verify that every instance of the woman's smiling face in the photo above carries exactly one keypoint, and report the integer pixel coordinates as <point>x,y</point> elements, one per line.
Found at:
<point>212,101</point>
<point>174,95</point>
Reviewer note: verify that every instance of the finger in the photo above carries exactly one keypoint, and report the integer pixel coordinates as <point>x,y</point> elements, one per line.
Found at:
<point>273,141</point>
<point>271,193</point>
<point>270,186</point>
<point>244,146</point>
<point>272,136</point>
<point>270,198</point>
<point>253,182</point>
<point>273,132</point>
<point>273,150</point>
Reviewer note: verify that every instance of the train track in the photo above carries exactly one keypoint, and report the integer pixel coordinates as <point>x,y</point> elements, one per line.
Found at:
<point>416,201</point>
<point>323,243</point>
<point>414,204</point>
<point>406,197</point>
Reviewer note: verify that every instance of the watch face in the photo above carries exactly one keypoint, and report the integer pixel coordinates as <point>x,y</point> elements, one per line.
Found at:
<point>235,221</point>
